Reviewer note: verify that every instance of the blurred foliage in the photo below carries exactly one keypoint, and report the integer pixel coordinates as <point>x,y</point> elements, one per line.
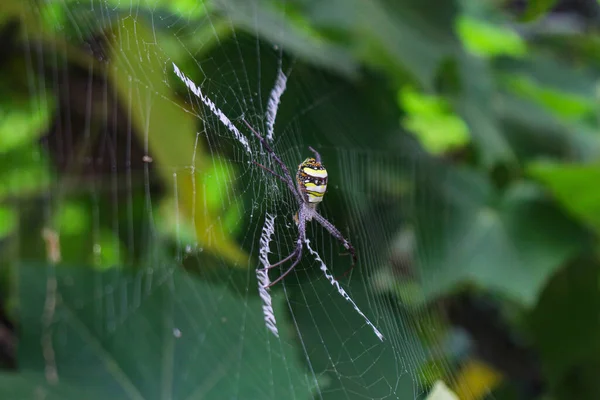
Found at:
<point>489,108</point>
<point>489,40</point>
<point>429,117</point>
<point>111,357</point>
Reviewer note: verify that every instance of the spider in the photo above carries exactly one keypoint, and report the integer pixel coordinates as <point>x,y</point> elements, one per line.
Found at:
<point>308,190</point>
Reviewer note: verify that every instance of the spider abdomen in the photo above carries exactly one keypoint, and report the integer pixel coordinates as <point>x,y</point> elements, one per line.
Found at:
<point>312,180</point>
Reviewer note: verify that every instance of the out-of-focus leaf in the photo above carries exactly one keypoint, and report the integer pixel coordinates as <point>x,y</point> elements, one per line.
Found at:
<point>22,122</point>
<point>566,327</point>
<point>405,35</point>
<point>214,181</point>
<point>23,172</point>
<point>185,8</point>
<point>475,105</point>
<point>560,85</point>
<point>169,131</point>
<point>108,250</point>
<point>73,219</point>
<point>8,221</point>
<point>546,107</point>
<point>430,119</point>
<point>511,243</point>
<point>156,334</point>
<point>564,104</point>
<point>537,8</point>
<point>32,386</point>
<point>489,40</point>
<point>262,17</point>
<point>189,8</point>
<point>216,178</point>
<point>574,186</point>
<point>534,132</point>
<point>53,15</point>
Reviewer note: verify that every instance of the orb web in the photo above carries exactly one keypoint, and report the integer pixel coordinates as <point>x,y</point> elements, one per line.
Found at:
<point>151,150</point>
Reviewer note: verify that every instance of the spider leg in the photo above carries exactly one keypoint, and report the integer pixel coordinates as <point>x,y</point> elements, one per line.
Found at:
<point>271,171</point>
<point>297,252</point>
<point>270,150</point>
<point>287,176</point>
<point>298,257</point>
<point>292,254</point>
<point>317,155</point>
<point>338,235</point>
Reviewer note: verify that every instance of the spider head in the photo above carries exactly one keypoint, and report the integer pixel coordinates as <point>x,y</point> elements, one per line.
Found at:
<point>312,162</point>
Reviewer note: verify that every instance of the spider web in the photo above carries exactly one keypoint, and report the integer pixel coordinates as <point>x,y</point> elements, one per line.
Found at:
<point>181,220</point>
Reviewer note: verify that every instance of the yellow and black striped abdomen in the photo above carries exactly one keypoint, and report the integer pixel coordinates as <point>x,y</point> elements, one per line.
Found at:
<point>312,180</point>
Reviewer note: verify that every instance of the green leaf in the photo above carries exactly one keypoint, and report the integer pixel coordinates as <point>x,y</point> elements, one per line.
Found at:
<point>178,157</point>
<point>511,242</point>
<point>291,30</point>
<point>32,386</point>
<point>431,120</point>
<point>22,122</point>
<point>73,219</point>
<point>575,186</point>
<point>23,172</point>
<point>561,103</point>
<point>8,221</point>
<point>53,16</point>
<point>537,8</point>
<point>158,333</point>
<point>406,36</point>
<point>534,132</point>
<point>475,105</point>
<point>489,40</point>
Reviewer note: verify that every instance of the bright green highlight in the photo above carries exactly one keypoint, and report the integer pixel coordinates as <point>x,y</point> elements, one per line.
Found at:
<point>430,119</point>
<point>22,122</point>
<point>23,180</point>
<point>53,15</point>
<point>186,8</point>
<point>8,221</point>
<point>214,183</point>
<point>563,104</point>
<point>74,219</point>
<point>489,40</point>
<point>575,186</point>
<point>189,8</point>
<point>107,251</point>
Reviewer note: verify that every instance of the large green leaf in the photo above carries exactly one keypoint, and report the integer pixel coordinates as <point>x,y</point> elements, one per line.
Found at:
<point>409,35</point>
<point>511,242</point>
<point>489,40</point>
<point>475,105</point>
<point>289,28</point>
<point>23,121</point>
<point>28,385</point>
<point>537,8</point>
<point>170,132</point>
<point>156,334</point>
<point>535,132</point>
<point>575,186</point>
<point>23,172</point>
